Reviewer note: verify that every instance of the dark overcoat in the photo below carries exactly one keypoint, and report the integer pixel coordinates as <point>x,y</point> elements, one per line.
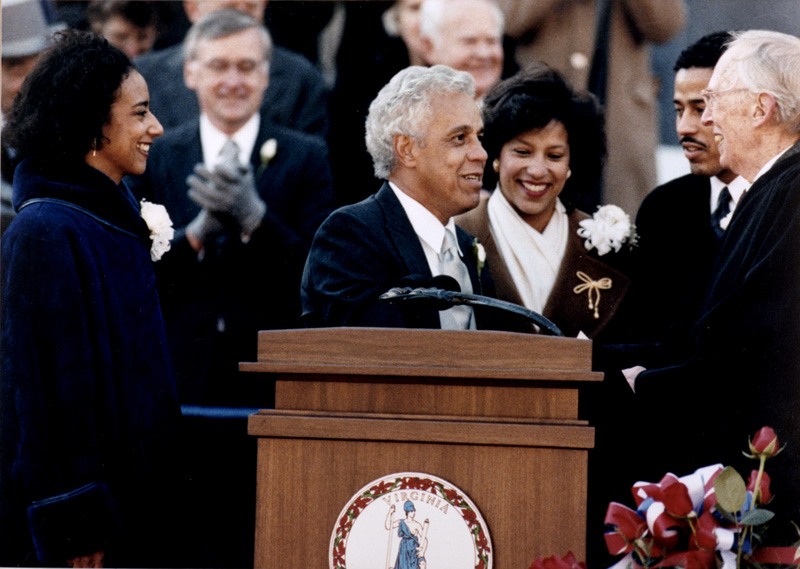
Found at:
<point>89,413</point>
<point>674,257</point>
<point>740,367</point>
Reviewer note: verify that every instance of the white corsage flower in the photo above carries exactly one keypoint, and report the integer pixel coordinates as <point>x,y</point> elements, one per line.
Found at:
<point>160,225</point>
<point>609,228</point>
<point>268,151</point>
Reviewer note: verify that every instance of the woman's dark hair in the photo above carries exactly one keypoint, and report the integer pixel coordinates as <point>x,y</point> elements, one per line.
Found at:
<point>66,99</point>
<point>530,100</point>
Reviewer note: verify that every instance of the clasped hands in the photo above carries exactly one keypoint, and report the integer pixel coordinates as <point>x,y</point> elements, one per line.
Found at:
<point>227,194</point>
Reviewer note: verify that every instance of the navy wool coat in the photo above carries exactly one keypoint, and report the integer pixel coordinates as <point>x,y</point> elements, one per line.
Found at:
<point>88,404</point>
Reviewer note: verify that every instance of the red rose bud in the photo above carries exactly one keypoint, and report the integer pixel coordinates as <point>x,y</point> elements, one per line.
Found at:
<point>765,443</point>
<point>764,494</point>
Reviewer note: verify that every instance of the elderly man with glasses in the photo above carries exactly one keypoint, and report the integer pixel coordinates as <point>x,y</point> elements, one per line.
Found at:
<point>739,367</point>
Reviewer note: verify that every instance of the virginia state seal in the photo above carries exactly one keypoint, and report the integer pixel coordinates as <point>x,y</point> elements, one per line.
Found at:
<point>410,521</point>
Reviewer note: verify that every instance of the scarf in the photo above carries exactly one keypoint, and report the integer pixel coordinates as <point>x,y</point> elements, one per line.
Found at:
<point>533,259</point>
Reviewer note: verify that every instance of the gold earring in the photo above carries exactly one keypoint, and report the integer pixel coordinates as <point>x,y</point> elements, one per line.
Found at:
<point>496,165</point>
<point>94,147</point>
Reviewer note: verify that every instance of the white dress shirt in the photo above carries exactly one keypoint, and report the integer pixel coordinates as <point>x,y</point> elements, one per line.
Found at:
<point>736,188</point>
<point>427,226</point>
<point>770,164</point>
<point>212,140</point>
<point>430,233</point>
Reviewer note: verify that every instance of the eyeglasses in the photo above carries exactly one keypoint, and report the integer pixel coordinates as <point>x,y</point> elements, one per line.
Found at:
<point>245,67</point>
<point>709,95</point>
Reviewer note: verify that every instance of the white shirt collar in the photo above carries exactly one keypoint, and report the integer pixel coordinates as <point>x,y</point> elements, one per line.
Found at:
<point>212,139</point>
<point>737,188</point>
<point>770,164</point>
<point>426,225</point>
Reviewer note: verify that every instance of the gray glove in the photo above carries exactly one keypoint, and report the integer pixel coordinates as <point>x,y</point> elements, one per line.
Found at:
<point>229,189</point>
<point>205,226</point>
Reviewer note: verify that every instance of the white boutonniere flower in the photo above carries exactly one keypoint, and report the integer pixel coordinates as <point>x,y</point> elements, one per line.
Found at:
<point>609,228</point>
<point>268,151</point>
<point>160,225</point>
<point>480,255</point>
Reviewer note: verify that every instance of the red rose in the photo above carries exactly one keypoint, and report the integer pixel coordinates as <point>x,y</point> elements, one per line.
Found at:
<point>553,562</point>
<point>765,444</point>
<point>764,494</point>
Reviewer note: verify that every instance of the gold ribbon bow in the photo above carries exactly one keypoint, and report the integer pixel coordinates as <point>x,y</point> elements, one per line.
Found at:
<point>592,285</point>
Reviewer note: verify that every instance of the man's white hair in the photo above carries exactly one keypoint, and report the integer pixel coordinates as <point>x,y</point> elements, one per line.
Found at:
<point>432,16</point>
<point>764,61</point>
<point>403,106</point>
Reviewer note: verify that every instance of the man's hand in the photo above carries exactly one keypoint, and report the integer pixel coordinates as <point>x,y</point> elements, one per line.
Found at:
<point>230,189</point>
<point>202,228</point>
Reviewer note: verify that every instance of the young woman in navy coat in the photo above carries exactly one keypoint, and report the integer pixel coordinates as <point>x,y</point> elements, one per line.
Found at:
<point>89,413</point>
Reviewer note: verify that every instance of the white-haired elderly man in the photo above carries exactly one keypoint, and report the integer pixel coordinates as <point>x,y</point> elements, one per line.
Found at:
<point>739,368</point>
<point>466,35</point>
<point>423,135</point>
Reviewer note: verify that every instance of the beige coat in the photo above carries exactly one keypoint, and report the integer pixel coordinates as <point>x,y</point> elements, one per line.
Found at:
<point>561,33</point>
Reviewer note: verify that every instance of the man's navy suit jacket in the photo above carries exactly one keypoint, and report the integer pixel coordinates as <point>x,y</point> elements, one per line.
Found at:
<point>674,256</point>
<point>215,305</point>
<point>365,249</point>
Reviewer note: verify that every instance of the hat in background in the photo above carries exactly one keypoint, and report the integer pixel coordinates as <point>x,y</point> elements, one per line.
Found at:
<point>25,29</point>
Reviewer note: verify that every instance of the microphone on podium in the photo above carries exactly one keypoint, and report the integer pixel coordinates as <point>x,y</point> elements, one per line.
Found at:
<point>443,291</point>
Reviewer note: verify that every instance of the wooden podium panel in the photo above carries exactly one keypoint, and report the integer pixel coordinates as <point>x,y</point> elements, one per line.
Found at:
<point>493,413</point>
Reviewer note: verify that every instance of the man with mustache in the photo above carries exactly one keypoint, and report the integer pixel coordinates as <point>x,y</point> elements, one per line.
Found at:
<point>681,223</point>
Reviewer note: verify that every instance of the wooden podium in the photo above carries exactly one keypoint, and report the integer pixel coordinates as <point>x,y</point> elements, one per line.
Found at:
<point>494,413</point>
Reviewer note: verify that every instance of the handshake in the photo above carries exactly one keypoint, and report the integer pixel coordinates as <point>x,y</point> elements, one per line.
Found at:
<point>227,195</point>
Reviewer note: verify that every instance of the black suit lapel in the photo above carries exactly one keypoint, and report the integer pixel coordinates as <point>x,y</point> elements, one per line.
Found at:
<point>265,132</point>
<point>407,247</point>
<point>402,234</point>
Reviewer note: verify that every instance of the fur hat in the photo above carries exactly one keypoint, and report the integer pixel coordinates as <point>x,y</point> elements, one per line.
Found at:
<point>25,29</point>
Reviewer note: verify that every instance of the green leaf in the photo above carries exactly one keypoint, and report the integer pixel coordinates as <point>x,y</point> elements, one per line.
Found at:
<point>730,489</point>
<point>757,517</point>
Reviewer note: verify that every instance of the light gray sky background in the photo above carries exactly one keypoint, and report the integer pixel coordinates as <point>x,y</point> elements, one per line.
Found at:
<point>707,16</point>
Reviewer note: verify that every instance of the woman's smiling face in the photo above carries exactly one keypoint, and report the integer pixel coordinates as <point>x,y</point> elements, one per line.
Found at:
<point>534,166</point>
<point>130,131</point>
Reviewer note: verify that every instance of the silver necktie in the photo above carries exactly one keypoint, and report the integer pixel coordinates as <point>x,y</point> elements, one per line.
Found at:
<point>458,317</point>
